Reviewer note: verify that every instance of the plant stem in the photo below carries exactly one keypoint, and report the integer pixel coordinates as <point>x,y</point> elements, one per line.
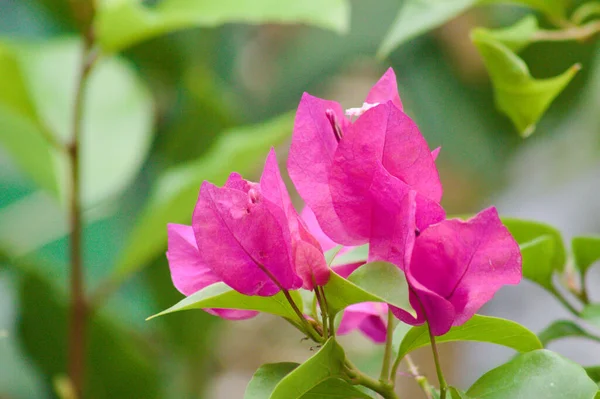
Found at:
<point>79,309</point>
<point>314,335</point>
<point>359,378</point>
<point>324,313</point>
<point>564,302</point>
<point>385,376</point>
<point>421,380</point>
<point>438,366</point>
<point>580,33</point>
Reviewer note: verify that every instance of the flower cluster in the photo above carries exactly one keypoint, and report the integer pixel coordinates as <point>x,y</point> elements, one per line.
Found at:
<point>367,177</point>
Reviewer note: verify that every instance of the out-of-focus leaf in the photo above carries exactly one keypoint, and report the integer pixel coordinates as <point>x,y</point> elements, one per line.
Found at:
<point>521,97</point>
<point>117,114</point>
<point>553,8</point>
<point>564,329</point>
<point>175,193</point>
<point>585,11</point>
<point>373,282</point>
<point>586,251</point>
<point>327,363</point>
<point>593,372</point>
<point>517,36</point>
<point>526,230</point>
<point>456,393</point>
<point>480,329</point>
<point>220,296</point>
<point>419,16</point>
<point>591,314</point>
<point>117,364</point>
<point>537,261</point>
<point>20,134</point>
<point>268,376</point>
<point>122,23</point>
<point>537,374</point>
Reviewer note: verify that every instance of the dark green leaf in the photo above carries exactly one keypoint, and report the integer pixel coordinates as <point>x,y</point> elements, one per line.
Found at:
<point>521,97</point>
<point>266,378</point>
<point>220,296</point>
<point>591,314</point>
<point>120,24</point>
<point>480,329</point>
<point>419,16</point>
<point>586,251</point>
<point>175,193</point>
<point>327,363</point>
<point>372,282</point>
<point>564,329</point>
<point>537,374</point>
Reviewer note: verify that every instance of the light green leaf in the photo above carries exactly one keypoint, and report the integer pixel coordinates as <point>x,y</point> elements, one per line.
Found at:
<point>20,133</point>
<point>419,16</point>
<point>564,329</point>
<point>175,193</point>
<point>122,23</point>
<point>526,230</point>
<point>268,376</point>
<point>117,114</point>
<point>521,97</point>
<point>537,374</point>
<point>220,296</point>
<point>328,362</point>
<point>586,251</point>
<point>591,314</point>
<point>457,393</point>
<point>586,11</point>
<point>517,36</point>
<point>537,261</point>
<point>355,255</point>
<point>480,329</point>
<point>372,282</point>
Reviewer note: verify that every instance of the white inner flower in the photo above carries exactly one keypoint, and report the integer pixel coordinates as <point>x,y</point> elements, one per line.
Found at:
<point>356,112</point>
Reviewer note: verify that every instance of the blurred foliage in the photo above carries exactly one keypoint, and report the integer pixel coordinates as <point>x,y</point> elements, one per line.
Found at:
<point>174,109</point>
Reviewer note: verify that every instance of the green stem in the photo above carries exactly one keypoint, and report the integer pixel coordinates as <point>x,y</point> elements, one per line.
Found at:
<point>438,366</point>
<point>580,33</point>
<point>357,377</point>
<point>421,380</point>
<point>387,355</point>
<point>564,301</point>
<point>324,314</point>
<point>313,334</point>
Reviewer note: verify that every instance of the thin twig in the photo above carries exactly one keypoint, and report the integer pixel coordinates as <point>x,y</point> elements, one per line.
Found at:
<point>580,33</point>
<point>438,366</point>
<point>421,380</point>
<point>387,355</point>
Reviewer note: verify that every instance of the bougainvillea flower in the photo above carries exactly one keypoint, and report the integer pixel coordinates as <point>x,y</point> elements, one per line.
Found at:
<point>189,273</point>
<point>456,267</point>
<point>253,239</point>
<point>370,318</point>
<point>333,160</point>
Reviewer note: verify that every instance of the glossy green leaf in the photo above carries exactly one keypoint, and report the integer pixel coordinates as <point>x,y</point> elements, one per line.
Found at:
<point>564,329</point>
<point>591,314</point>
<point>525,231</point>
<point>419,16</point>
<point>335,388</point>
<point>521,97</point>
<point>517,36</point>
<point>220,296</point>
<point>266,378</point>
<point>327,363</point>
<point>175,193</point>
<point>456,393</point>
<point>480,329</point>
<point>537,374</point>
<point>593,372</point>
<point>355,255</point>
<point>122,23</point>
<point>537,261</point>
<point>586,251</point>
<point>373,282</point>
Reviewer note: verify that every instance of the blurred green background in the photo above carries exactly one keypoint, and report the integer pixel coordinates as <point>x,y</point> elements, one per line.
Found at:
<point>199,103</point>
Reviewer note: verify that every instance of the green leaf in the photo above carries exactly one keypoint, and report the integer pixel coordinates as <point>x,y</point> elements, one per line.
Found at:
<point>372,282</point>
<point>553,8</point>
<point>457,393</point>
<point>537,374</point>
<point>586,251</point>
<point>419,16</point>
<point>537,261</point>
<point>173,197</point>
<point>480,329</point>
<point>593,372</point>
<point>564,329</point>
<point>355,255</point>
<point>525,231</point>
<point>517,36</point>
<point>328,362</point>
<point>521,97</point>
<point>122,23</point>
<point>220,296</point>
<point>585,11</point>
<point>591,314</point>
<point>266,378</point>
<point>116,133</point>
